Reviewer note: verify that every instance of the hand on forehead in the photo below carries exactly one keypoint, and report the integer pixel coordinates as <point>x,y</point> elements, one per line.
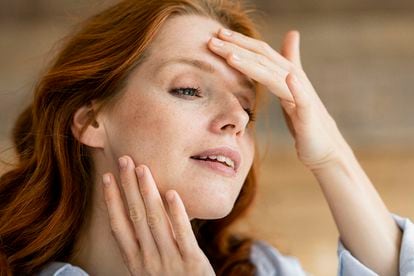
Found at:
<point>184,39</point>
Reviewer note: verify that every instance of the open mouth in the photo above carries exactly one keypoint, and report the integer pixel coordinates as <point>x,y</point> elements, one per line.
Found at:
<point>222,160</point>
<point>221,167</point>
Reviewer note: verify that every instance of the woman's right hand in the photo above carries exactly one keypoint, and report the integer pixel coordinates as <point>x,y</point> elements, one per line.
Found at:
<point>152,241</point>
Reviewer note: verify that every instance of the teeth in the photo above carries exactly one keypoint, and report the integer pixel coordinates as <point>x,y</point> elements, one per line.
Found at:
<point>229,162</point>
<point>220,158</point>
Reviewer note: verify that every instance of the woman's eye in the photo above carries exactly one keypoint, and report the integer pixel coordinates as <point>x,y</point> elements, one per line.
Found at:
<point>196,92</point>
<point>187,91</point>
<point>252,114</point>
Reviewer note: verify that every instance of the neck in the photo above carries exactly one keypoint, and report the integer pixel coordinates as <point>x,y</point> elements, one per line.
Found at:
<point>96,250</point>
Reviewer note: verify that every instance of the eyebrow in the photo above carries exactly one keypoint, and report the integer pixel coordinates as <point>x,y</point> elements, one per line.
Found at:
<point>207,67</point>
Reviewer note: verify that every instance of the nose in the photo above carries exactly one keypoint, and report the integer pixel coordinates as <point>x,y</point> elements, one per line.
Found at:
<point>231,119</point>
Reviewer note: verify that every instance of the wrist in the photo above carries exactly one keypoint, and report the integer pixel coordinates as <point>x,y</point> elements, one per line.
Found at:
<point>340,158</point>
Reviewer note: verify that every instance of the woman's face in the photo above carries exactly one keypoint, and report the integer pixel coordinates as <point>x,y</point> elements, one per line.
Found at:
<point>164,128</point>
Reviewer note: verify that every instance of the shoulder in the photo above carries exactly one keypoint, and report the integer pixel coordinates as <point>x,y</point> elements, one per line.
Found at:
<point>269,261</point>
<point>61,269</point>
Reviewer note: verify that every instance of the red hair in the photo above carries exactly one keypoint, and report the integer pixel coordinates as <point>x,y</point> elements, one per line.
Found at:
<point>44,198</point>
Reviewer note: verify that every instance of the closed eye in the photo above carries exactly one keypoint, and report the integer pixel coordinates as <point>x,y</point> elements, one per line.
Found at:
<point>186,91</point>
<point>196,92</point>
<point>251,113</point>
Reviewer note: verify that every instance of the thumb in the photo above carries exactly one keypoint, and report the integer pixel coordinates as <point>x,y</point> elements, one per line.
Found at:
<point>291,47</point>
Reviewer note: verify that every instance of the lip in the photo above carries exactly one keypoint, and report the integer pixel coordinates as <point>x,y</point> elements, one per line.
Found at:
<point>225,151</point>
<point>217,167</point>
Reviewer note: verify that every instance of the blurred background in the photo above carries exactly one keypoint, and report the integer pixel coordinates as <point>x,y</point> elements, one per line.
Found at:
<point>359,56</point>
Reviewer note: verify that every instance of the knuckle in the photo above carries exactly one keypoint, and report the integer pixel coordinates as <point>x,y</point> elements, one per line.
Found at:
<point>181,235</point>
<point>264,46</point>
<point>115,228</point>
<point>135,214</point>
<point>125,183</point>
<point>125,258</point>
<point>128,260</point>
<point>229,56</point>
<point>134,271</point>
<point>262,60</point>
<point>109,198</point>
<point>153,220</point>
<point>145,190</point>
<point>132,263</point>
<point>150,264</point>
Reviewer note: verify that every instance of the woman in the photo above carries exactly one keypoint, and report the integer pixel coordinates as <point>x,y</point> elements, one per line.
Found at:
<point>137,153</point>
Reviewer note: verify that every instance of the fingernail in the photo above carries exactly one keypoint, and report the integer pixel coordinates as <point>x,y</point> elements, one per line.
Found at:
<point>106,179</point>
<point>217,42</point>
<point>226,32</point>
<point>122,163</point>
<point>140,171</point>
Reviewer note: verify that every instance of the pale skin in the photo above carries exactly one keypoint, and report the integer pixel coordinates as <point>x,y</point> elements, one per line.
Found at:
<point>156,237</point>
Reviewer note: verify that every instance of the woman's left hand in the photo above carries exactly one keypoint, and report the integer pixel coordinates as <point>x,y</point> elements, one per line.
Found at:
<point>317,139</point>
<point>363,221</point>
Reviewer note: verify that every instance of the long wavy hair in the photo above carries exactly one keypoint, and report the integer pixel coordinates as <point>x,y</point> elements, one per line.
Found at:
<point>45,196</point>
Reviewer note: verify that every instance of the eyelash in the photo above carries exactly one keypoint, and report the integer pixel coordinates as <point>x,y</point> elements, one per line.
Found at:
<point>252,115</point>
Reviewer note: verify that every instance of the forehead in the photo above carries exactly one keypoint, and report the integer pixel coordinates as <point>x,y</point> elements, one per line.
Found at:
<point>185,32</point>
<point>183,39</point>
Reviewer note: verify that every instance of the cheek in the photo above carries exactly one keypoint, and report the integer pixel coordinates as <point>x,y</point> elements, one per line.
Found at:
<point>156,132</point>
<point>249,152</point>
<point>162,134</point>
<point>145,129</point>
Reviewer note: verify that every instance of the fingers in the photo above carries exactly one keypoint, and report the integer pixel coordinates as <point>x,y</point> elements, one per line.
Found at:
<point>151,226</point>
<point>291,48</point>
<point>184,234</point>
<point>157,219</point>
<point>300,107</point>
<point>136,207</point>
<point>254,45</point>
<point>120,225</point>
<point>301,98</point>
<point>256,66</point>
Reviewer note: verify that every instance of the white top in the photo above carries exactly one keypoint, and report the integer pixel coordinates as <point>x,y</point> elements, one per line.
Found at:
<point>269,261</point>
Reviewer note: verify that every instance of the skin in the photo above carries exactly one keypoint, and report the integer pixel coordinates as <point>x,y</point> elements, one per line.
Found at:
<point>158,127</point>
<point>166,244</point>
<point>158,130</point>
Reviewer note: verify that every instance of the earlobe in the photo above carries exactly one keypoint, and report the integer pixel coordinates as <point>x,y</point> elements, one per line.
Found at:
<point>85,120</point>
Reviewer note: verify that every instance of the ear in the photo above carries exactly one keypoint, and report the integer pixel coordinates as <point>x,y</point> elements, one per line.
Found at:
<point>94,132</point>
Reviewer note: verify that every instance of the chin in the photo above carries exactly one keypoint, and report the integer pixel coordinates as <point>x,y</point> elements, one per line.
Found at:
<point>208,212</point>
<point>209,199</point>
